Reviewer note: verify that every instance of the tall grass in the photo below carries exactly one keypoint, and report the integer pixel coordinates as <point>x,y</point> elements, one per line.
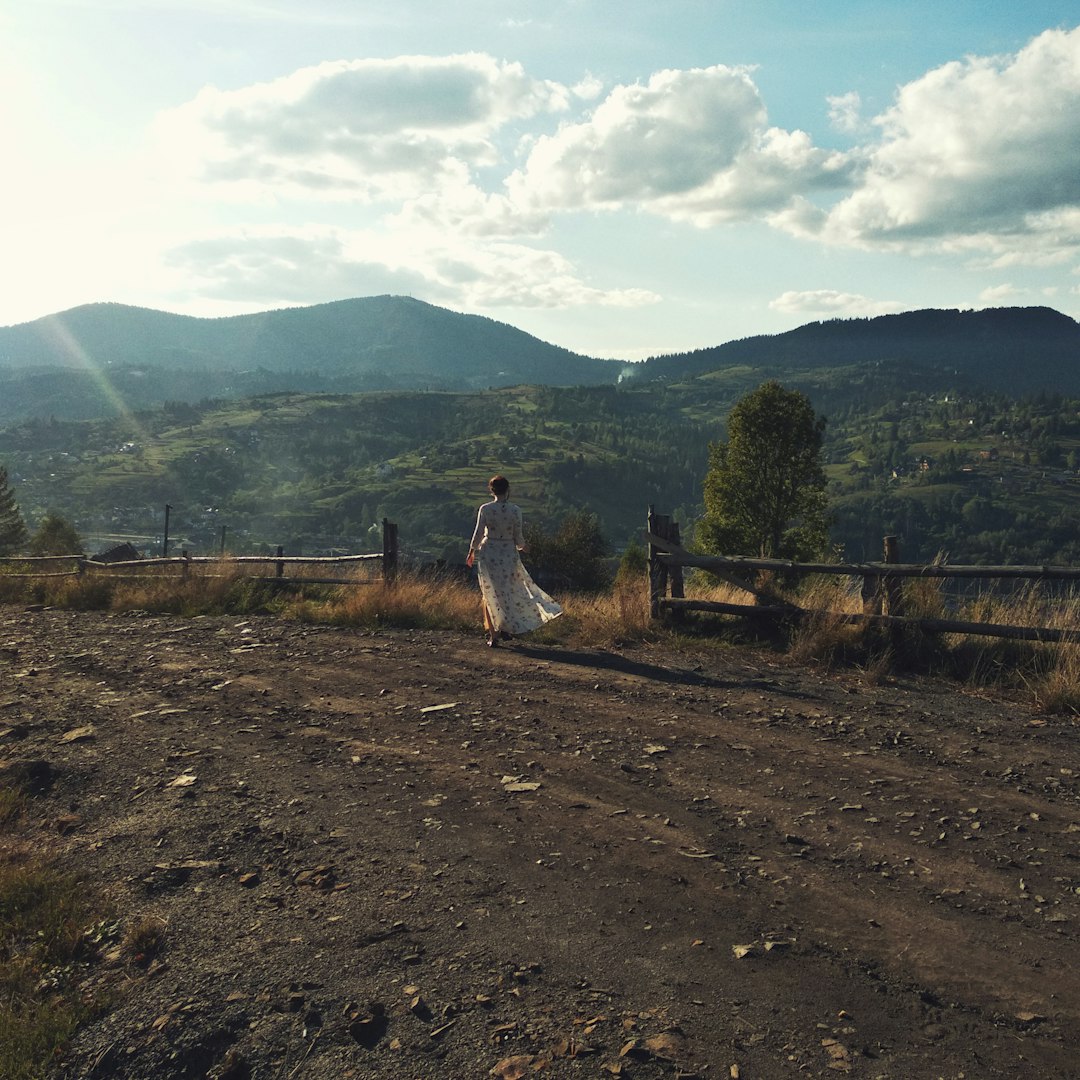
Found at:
<point>1049,673</point>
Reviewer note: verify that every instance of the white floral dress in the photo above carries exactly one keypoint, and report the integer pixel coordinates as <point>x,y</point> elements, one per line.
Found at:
<point>515,603</point>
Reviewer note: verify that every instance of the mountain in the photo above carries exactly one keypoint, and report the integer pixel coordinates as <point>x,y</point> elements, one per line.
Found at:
<point>380,341</point>
<point>107,359</point>
<point>1012,350</point>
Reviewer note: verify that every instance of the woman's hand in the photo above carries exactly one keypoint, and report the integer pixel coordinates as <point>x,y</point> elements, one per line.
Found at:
<point>470,558</point>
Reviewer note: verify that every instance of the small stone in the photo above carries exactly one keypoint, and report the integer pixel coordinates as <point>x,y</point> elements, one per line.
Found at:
<point>513,1068</point>
<point>419,1008</point>
<point>87,731</point>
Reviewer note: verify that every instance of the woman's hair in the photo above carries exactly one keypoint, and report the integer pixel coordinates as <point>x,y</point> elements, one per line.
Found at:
<point>498,485</point>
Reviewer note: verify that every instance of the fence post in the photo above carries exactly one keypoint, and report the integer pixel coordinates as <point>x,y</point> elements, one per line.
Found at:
<point>676,572</point>
<point>389,551</point>
<point>186,567</point>
<point>658,571</point>
<point>280,565</point>
<point>894,597</point>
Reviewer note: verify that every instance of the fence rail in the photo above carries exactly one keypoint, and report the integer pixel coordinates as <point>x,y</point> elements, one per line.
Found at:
<point>82,565</point>
<point>881,593</point>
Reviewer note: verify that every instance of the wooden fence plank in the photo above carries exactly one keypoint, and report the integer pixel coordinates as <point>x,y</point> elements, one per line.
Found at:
<point>737,563</point>
<point>388,557</point>
<point>881,588</point>
<point>941,626</point>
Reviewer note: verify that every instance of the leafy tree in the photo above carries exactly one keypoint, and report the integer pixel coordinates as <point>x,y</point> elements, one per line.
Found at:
<point>12,526</point>
<point>55,536</point>
<point>575,554</point>
<point>765,488</point>
<point>634,564</point>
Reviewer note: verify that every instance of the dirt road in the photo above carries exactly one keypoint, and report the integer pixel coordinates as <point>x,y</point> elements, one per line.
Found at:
<point>405,855</point>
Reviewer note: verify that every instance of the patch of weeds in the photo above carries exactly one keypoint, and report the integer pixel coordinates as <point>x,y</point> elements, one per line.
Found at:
<point>249,596</point>
<point>44,915</point>
<point>12,807</point>
<point>1056,688</point>
<point>824,637</point>
<point>13,590</point>
<point>79,594</point>
<point>878,667</point>
<point>144,940</point>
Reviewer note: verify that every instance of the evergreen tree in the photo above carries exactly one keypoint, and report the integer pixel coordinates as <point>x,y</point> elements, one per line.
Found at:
<point>12,527</point>
<point>55,536</point>
<point>765,488</point>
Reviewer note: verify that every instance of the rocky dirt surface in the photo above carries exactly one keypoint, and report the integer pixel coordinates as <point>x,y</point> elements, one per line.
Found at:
<point>403,855</point>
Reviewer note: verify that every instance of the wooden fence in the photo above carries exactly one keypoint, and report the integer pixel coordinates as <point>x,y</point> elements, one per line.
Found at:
<point>882,594</point>
<point>80,565</point>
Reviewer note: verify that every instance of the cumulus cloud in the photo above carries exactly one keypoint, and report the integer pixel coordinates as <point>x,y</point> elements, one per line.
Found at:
<point>465,158</point>
<point>690,145</point>
<point>672,134</point>
<point>845,112</point>
<point>362,129</point>
<point>828,303</point>
<point>979,152</point>
<point>276,266</point>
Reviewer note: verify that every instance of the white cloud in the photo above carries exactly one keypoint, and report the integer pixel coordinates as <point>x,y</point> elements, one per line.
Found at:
<point>977,159</point>
<point>831,304</point>
<point>671,135</point>
<point>845,112</point>
<point>997,295</point>
<point>276,266</point>
<point>979,153</point>
<point>689,145</point>
<point>361,129</point>
<point>589,88</point>
<point>769,179</point>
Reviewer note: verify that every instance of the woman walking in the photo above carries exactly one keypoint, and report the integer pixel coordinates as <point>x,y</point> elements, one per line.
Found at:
<point>513,602</point>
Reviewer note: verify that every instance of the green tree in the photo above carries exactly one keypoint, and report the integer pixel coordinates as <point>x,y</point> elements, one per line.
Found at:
<point>765,488</point>
<point>576,553</point>
<point>55,536</point>
<point>12,526</point>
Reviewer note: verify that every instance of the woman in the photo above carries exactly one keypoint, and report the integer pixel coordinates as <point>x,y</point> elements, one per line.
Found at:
<point>513,602</point>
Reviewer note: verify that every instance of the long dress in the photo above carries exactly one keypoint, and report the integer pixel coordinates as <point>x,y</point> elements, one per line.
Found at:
<point>515,604</point>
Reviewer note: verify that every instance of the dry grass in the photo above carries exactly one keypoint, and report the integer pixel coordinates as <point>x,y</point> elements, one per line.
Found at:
<point>1056,689</point>
<point>1050,673</point>
<point>12,807</point>
<point>411,603</point>
<point>144,940</point>
<point>44,917</point>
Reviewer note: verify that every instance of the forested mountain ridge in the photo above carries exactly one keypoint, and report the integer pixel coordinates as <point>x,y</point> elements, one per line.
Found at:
<point>915,443</point>
<point>1013,350</point>
<point>103,360</point>
<point>397,340</point>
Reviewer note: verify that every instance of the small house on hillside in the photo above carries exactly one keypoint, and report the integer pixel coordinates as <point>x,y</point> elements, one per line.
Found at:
<point>117,553</point>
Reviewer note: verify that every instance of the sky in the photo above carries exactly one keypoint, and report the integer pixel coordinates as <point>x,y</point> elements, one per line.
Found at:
<point>619,177</point>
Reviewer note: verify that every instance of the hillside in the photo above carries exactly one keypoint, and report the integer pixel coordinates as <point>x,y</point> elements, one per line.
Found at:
<point>987,478</point>
<point>107,359</point>
<point>1012,350</point>
<point>916,448</point>
<point>367,343</point>
<point>317,470</point>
